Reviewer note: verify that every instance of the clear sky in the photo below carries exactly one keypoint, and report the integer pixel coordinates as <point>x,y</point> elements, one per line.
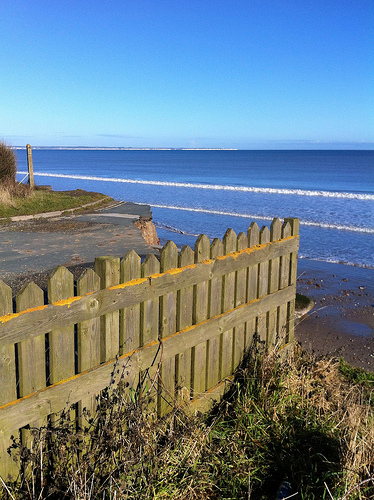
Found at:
<point>249,74</point>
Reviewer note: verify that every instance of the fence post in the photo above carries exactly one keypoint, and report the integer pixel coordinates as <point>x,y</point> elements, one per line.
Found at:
<point>184,319</point>
<point>215,308</point>
<point>295,224</point>
<point>253,235</point>
<point>30,166</point>
<point>108,269</point>
<point>200,313</point>
<point>275,235</point>
<point>168,326</point>
<point>240,299</point>
<point>8,381</point>
<point>263,288</point>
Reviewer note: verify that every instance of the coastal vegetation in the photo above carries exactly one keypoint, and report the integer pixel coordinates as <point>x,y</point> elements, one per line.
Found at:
<point>297,418</point>
<point>20,200</point>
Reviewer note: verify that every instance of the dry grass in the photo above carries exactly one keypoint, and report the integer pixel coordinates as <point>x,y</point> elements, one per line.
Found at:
<point>304,420</point>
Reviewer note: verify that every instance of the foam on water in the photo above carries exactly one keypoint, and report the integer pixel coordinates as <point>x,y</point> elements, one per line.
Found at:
<point>215,187</point>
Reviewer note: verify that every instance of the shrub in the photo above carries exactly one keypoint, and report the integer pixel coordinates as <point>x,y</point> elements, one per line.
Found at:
<point>8,163</point>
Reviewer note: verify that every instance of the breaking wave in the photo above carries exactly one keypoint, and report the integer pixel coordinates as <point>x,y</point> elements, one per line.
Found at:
<point>339,227</point>
<point>216,187</point>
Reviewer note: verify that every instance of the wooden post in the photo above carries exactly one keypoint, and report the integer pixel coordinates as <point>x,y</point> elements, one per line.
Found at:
<point>275,235</point>
<point>295,224</point>
<point>108,269</point>
<point>30,166</point>
<point>263,287</point>
<point>215,308</point>
<point>240,299</point>
<point>228,302</point>
<point>168,326</point>
<point>149,326</point>
<point>8,385</point>
<point>184,319</point>
<point>200,314</point>
<point>253,234</point>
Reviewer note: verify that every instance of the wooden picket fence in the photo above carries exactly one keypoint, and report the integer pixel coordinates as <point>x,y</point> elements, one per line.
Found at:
<point>187,317</point>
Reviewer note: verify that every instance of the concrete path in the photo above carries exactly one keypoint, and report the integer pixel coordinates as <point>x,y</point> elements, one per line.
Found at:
<point>41,245</point>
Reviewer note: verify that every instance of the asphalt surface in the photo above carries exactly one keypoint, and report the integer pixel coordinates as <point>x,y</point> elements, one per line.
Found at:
<point>41,245</point>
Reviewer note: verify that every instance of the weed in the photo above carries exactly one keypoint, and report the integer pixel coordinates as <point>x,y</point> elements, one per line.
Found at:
<point>297,420</point>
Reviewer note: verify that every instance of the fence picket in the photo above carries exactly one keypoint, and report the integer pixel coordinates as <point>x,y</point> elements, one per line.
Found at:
<point>263,286</point>
<point>184,319</point>
<point>294,223</point>
<point>275,235</point>
<point>149,324</point>
<point>215,308</point>
<point>130,316</point>
<point>129,319</point>
<point>284,278</point>
<point>31,355</point>
<point>228,302</point>
<point>253,235</point>
<point>61,342</point>
<point>8,381</point>
<point>7,355</point>
<point>240,298</point>
<point>88,339</point>
<point>108,269</point>
<point>168,325</point>
<point>198,368</point>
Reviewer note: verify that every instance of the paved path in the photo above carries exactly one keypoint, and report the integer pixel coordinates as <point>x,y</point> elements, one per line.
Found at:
<point>36,246</point>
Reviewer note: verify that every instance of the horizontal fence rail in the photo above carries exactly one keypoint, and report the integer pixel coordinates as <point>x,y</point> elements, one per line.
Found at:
<point>187,317</point>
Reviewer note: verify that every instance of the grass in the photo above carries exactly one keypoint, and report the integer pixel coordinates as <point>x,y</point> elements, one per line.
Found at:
<point>22,201</point>
<point>302,301</point>
<point>304,420</point>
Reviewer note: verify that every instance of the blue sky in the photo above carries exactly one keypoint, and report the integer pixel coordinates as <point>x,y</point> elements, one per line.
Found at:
<point>248,74</point>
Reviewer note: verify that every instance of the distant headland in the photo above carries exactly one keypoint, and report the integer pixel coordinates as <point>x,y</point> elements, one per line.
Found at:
<point>99,148</point>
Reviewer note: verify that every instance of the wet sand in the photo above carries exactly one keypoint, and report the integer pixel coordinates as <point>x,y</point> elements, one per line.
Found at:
<point>342,321</point>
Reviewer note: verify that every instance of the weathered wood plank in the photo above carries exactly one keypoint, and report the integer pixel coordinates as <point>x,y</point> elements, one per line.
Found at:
<point>7,355</point>
<point>168,325</point>
<point>52,399</point>
<point>253,235</point>
<point>130,316</point>
<point>214,358</point>
<point>283,283</point>
<point>275,235</point>
<point>17,327</point>
<point>240,299</point>
<point>263,286</point>
<point>61,340</point>
<point>8,390</point>
<point>31,352</point>
<point>88,339</point>
<point>184,319</point>
<point>31,356</point>
<point>200,313</point>
<point>295,224</point>
<point>88,331</point>
<point>228,301</point>
<point>149,329</point>
<point>108,269</point>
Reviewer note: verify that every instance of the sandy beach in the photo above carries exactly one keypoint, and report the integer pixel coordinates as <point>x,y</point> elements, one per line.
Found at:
<point>342,321</point>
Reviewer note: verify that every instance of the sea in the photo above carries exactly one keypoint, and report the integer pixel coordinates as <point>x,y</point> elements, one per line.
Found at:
<point>207,191</point>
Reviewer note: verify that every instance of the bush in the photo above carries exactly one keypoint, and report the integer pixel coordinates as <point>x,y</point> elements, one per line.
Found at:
<point>8,164</point>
